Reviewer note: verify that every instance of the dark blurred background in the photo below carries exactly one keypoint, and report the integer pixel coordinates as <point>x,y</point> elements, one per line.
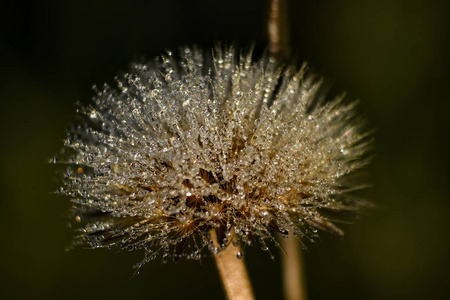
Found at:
<point>393,55</point>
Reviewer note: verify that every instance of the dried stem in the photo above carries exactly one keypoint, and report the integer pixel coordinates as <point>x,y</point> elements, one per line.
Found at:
<point>277,29</point>
<point>293,278</point>
<point>279,47</point>
<point>233,273</point>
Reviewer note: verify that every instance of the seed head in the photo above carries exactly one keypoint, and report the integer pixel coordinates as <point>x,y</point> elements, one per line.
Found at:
<point>210,142</point>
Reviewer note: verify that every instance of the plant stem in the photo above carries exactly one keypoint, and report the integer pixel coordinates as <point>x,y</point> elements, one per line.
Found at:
<point>279,47</point>
<point>293,278</point>
<point>233,272</point>
<point>277,29</point>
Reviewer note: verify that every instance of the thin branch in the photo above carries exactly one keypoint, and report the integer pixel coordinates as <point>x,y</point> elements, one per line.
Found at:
<point>277,29</point>
<point>293,278</point>
<point>279,47</point>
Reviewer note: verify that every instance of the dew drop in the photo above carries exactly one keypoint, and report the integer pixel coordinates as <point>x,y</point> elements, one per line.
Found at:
<point>165,258</point>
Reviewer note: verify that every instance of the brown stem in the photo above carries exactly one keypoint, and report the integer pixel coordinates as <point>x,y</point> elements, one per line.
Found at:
<point>293,278</point>
<point>279,47</point>
<point>233,273</point>
<point>277,29</point>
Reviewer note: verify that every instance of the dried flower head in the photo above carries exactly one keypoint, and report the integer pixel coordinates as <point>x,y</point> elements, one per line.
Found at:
<point>208,143</point>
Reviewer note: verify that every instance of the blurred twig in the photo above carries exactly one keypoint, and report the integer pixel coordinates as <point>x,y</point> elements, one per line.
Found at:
<point>279,47</point>
<point>277,29</point>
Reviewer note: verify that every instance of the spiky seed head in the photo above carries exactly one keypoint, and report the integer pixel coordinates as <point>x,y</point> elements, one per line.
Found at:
<point>209,142</point>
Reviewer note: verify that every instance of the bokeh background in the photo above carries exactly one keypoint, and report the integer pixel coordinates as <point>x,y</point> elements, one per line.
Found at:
<point>393,55</point>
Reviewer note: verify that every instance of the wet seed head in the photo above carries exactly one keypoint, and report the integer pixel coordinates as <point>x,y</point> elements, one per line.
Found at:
<point>210,142</point>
